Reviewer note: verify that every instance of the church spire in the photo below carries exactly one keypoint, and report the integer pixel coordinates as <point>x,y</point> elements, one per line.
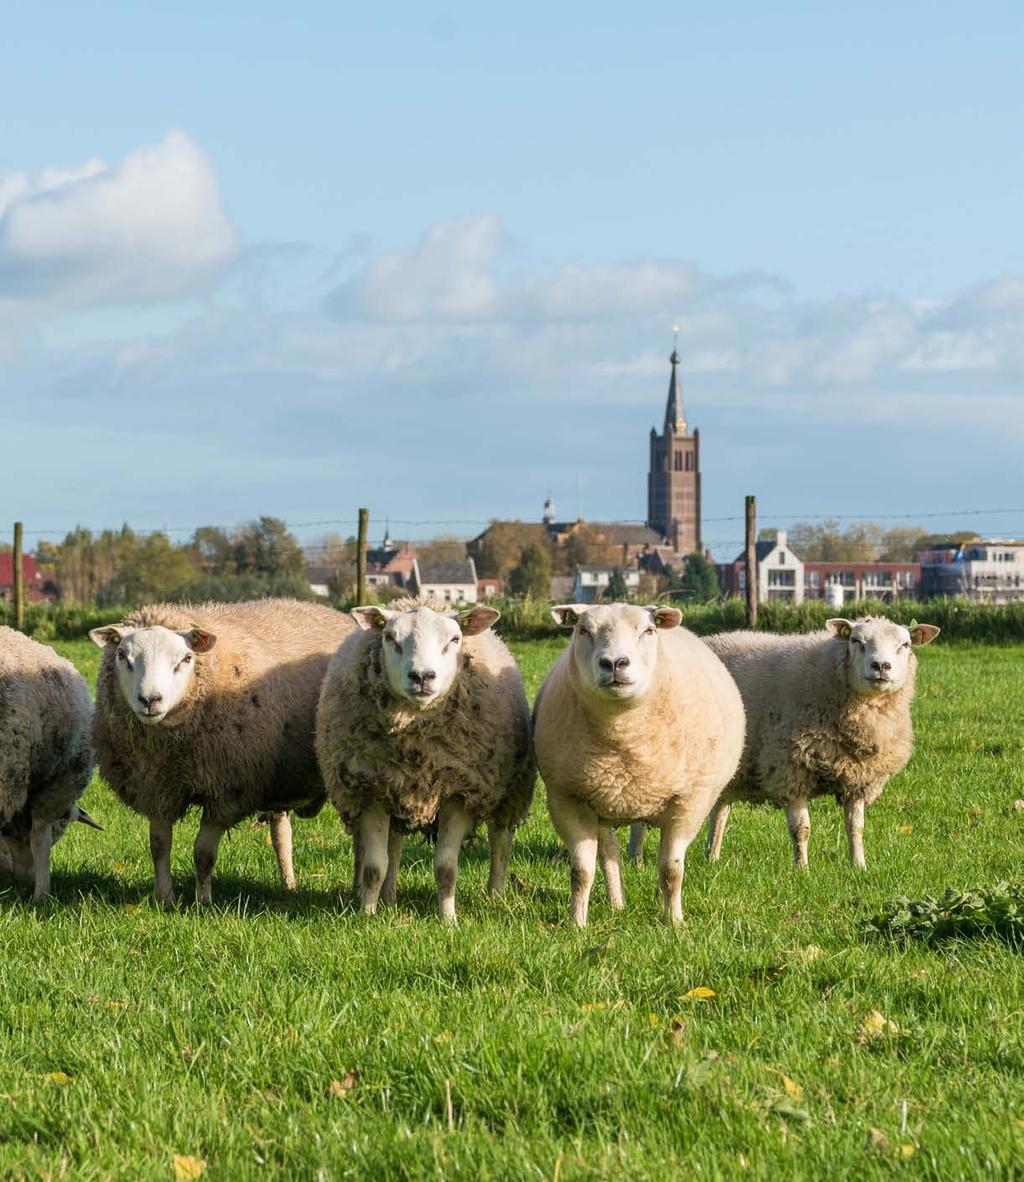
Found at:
<point>675,419</point>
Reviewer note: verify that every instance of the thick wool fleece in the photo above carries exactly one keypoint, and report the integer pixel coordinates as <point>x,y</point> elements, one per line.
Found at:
<point>45,741</point>
<point>669,755</point>
<point>808,733</point>
<point>242,740</point>
<point>474,744</point>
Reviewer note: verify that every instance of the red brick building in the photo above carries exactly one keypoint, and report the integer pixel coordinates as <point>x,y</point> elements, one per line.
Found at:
<point>673,481</point>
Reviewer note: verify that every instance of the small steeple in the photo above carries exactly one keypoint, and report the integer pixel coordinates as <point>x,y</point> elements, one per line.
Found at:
<point>675,419</point>
<point>549,511</point>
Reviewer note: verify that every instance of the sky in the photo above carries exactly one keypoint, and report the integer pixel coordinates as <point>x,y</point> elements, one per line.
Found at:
<point>428,259</point>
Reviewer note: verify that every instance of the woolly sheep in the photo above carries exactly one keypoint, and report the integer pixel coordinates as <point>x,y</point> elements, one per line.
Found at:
<point>214,706</point>
<point>827,715</point>
<point>45,755</point>
<point>638,720</point>
<point>423,722</point>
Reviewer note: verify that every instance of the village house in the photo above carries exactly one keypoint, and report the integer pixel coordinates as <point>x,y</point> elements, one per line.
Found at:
<point>591,582</point>
<point>449,580</point>
<point>989,570</point>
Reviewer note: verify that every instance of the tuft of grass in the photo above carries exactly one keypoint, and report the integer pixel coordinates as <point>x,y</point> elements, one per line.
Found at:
<point>287,1036</point>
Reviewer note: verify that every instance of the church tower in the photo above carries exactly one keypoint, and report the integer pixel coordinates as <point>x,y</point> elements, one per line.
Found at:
<point>673,482</point>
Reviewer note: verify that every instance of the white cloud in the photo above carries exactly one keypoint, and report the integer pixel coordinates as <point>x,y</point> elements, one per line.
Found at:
<point>150,228</point>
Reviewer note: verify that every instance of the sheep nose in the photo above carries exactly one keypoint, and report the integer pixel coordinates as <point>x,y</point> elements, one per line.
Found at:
<point>151,700</point>
<point>423,677</point>
<point>882,666</point>
<point>613,666</point>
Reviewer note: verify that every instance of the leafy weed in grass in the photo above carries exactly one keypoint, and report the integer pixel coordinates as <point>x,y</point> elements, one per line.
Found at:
<point>996,911</point>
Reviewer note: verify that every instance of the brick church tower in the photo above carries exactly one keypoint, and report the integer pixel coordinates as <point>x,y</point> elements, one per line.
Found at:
<point>673,482</point>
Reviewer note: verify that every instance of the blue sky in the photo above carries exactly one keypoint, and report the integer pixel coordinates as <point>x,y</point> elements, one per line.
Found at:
<point>429,261</point>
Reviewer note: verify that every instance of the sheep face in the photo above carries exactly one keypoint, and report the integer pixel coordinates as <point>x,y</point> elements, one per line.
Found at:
<point>615,647</point>
<point>879,652</point>
<point>155,666</point>
<point>421,648</point>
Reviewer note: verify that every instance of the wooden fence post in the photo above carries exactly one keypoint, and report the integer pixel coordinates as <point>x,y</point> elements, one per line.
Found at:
<point>751,561</point>
<point>19,579</point>
<point>364,529</point>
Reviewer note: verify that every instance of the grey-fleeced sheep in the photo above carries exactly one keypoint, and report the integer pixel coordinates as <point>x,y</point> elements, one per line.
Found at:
<point>423,722</point>
<point>214,707</point>
<point>827,715</point>
<point>45,754</point>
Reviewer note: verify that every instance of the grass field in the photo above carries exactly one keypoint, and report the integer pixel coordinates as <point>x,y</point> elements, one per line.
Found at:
<point>292,1038</point>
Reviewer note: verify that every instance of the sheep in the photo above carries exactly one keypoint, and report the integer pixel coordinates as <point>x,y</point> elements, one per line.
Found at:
<point>637,721</point>
<point>214,706</point>
<point>423,723</point>
<point>46,756</point>
<point>827,715</point>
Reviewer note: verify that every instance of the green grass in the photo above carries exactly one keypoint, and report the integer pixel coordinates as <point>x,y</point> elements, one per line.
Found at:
<point>567,1055</point>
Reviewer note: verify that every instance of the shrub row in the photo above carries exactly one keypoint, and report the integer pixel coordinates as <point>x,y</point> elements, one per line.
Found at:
<point>529,619</point>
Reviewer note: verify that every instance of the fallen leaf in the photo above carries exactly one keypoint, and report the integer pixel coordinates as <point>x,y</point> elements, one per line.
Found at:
<point>793,1089</point>
<point>877,1025</point>
<point>877,1140</point>
<point>58,1077</point>
<point>1018,806</point>
<point>905,830</point>
<point>700,993</point>
<point>808,954</point>
<point>187,1167</point>
<point>654,1020</point>
<point>342,1087</point>
<point>907,1150</point>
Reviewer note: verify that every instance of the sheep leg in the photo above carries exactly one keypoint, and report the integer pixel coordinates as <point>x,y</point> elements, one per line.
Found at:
<point>374,825</point>
<point>637,833</point>
<point>576,825</point>
<point>40,840</point>
<point>357,862</point>
<point>281,836</point>
<point>798,818</point>
<point>671,859</point>
<point>853,811</point>
<point>204,854</point>
<point>499,838</point>
<point>611,865</point>
<point>389,890</point>
<point>717,822</point>
<point>160,851</point>
<point>454,825</point>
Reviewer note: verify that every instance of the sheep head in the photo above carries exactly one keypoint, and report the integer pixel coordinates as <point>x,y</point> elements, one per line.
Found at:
<point>879,652</point>
<point>615,646</point>
<point>421,648</point>
<point>155,666</point>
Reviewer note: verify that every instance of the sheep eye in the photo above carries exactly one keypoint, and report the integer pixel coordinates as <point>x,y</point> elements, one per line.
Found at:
<point>584,632</point>
<point>122,656</point>
<point>395,643</point>
<point>647,632</point>
<point>185,660</point>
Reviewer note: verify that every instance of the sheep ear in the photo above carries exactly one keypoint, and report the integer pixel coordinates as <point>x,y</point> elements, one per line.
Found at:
<point>83,816</point>
<point>109,634</point>
<point>568,614</point>
<point>840,628</point>
<point>665,617</point>
<point>371,619</point>
<point>198,639</point>
<point>477,619</point>
<point>921,634</point>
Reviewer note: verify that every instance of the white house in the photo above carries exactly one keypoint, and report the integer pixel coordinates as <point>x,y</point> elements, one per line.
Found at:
<point>591,582</point>
<point>451,581</point>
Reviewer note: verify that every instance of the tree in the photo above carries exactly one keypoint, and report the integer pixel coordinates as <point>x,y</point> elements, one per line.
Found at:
<point>153,569</point>
<point>445,548</point>
<point>699,578</point>
<point>265,547</point>
<point>532,574</point>
<point>617,591</point>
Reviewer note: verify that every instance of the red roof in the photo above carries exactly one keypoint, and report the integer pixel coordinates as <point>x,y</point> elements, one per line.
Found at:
<point>28,567</point>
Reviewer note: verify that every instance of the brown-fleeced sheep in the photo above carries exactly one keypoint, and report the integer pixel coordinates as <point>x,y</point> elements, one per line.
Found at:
<point>214,706</point>
<point>45,754</point>
<point>423,721</point>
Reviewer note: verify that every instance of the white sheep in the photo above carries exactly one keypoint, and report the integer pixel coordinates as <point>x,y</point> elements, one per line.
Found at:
<point>827,715</point>
<point>214,707</point>
<point>423,723</point>
<point>637,721</point>
<point>45,755</point>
